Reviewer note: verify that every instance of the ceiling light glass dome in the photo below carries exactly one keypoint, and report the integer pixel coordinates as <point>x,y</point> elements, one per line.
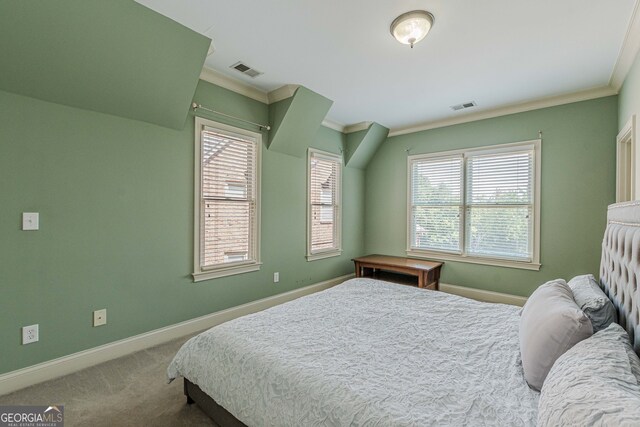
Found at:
<point>411,27</point>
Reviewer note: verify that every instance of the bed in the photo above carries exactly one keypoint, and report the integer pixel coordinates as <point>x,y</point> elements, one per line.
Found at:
<point>368,352</point>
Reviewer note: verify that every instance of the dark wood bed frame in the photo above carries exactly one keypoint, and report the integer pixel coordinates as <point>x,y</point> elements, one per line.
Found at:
<point>617,277</point>
<point>217,413</point>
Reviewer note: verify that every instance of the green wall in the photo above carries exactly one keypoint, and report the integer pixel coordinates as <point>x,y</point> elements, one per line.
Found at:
<point>578,182</point>
<point>629,97</point>
<point>115,198</point>
<point>58,50</point>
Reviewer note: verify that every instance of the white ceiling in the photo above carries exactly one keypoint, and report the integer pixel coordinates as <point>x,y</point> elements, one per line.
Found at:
<point>494,52</point>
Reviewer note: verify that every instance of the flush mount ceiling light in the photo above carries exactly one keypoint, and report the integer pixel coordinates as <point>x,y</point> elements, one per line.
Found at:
<point>411,27</point>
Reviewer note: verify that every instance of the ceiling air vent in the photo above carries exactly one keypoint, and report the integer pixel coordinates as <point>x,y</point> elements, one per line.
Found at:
<point>245,69</point>
<point>463,106</point>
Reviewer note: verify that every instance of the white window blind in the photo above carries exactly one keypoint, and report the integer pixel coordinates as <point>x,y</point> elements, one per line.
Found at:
<point>324,204</point>
<point>228,202</point>
<point>436,204</point>
<point>476,203</point>
<point>499,205</point>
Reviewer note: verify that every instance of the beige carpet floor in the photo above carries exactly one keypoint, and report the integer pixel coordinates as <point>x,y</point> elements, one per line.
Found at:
<point>129,391</point>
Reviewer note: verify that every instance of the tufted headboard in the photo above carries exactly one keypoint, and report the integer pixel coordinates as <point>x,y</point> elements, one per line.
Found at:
<point>620,265</point>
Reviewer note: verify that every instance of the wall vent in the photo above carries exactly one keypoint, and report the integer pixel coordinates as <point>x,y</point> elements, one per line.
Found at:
<point>463,106</point>
<point>245,69</point>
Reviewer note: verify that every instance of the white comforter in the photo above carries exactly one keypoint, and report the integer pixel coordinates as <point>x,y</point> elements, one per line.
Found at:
<point>366,353</point>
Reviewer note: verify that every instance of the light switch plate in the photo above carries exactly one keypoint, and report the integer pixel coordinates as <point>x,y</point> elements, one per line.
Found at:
<point>30,220</point>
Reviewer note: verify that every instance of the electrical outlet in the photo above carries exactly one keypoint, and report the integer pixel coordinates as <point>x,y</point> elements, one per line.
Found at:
<point>100,317</point>
<point>30,221</point>
<point>276,277</point>
<point>30,334</point>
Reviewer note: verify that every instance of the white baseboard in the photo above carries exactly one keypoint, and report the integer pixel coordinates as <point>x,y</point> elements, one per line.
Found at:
<point>483,295</point>
<point>55,368</point>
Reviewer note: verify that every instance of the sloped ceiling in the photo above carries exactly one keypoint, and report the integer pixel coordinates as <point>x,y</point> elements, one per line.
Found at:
<point>116,57</point>
<point>296,120</point>
<point>362,145</point>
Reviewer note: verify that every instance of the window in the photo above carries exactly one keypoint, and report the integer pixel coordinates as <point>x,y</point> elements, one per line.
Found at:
<point>227,200</point>
<point>480,206</point>
<point>233,257</point>
<point>326,207</point>
<point>235,190</point>
<point>324,210</point>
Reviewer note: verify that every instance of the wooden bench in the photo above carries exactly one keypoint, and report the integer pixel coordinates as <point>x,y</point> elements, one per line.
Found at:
<point>428,272</point>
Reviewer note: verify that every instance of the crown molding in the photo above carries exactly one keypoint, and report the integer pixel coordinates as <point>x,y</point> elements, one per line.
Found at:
<point>628,51</point>
<point>357,127</point>
<point>219,79</point>
<point>281,93</point>
<point>237,86</point>
<point>331,124</point>
<point>552,101</point>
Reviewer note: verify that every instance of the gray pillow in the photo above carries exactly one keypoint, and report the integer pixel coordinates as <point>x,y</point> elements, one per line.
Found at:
<point>634,361</point>
<point>592,384</point>
<point>595,303</point>
<point>551,323</point>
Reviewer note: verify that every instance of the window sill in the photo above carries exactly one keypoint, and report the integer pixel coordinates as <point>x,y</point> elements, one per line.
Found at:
<point>474,260</point>
<point>225,271</point>
<point>323,255</point>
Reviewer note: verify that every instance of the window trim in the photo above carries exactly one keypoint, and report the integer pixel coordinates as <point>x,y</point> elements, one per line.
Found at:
<point>200,274</point>
<point>534,264</point>
<point>333,252</point>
